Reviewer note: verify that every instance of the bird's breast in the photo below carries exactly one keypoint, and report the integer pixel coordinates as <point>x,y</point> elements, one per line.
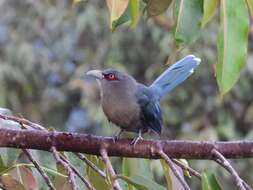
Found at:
<point>122,110</point>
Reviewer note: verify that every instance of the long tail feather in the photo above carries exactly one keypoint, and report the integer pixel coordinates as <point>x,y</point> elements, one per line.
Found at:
<point>174,75</point>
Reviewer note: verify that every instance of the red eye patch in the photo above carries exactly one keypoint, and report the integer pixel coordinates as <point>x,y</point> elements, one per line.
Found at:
<point>110,76</point>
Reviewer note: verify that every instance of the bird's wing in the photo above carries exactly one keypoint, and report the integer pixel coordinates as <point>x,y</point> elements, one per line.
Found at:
<point>174,75</point>
<point>150,113</point>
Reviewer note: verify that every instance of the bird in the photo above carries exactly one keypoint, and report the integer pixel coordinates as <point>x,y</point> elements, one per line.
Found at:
<point>135,107</point>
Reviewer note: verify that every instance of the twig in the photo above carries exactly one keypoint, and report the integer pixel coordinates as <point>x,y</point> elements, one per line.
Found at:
<point>110,170</point>
<point>219,158</point>
<point>184,167</point>
<point>69,171</point>
<point>244,183</point>
<point>40,170</point>
<point>22,121</point>
<point>174,169</point>
<point>90,164</point>
<point>85,181</point>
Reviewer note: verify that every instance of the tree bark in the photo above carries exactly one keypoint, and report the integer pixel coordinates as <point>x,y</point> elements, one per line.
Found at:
<point>89,144</point>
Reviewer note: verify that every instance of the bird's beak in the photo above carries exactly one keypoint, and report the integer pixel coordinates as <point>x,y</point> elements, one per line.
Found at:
<point>95,73</point>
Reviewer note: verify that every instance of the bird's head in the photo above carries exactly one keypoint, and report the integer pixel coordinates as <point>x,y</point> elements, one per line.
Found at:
<point>110,78</point>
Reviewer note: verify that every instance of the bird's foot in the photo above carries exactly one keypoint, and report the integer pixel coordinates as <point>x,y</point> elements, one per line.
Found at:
<point>136,139</point>
<point>117,136</point>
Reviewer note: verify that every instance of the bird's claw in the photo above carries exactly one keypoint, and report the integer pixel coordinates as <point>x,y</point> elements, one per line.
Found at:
<point>116,137</point>
<point>135,140</point>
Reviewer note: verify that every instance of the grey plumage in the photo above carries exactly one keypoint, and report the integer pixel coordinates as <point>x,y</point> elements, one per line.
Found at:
<point>133,106</point>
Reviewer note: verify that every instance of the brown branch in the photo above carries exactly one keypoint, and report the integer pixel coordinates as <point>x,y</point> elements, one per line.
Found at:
<point>85,181</point>
<point>67,168</point>
<point>40,170</point>
<point>109,168</point>
<point>189,169</point>
<point>90,164</point>
<point>22,121</point>
<point>224,163</point>
<point>89,144</point>
<point>174,170</point>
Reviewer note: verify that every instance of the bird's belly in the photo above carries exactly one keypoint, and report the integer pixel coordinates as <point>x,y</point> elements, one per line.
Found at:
<point>124,116</point>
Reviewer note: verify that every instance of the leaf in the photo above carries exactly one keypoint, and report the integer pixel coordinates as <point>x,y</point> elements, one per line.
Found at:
<point>131,14</point>
<point>141,183</point>
<point>60,182</point>
<point>209,8</point>
<point>188,20</point>
<point>185,171</point>
<point>250,6</point>
<point>96,180</point>
<point>137,166</point>
<point>209,182</point>
<point>28,179</point>
<point>2,165</point>
<point>10,183</point>
<point>157,7</point>
<point>171,179</point>
<point>231,43</point>
<point>116,9</point>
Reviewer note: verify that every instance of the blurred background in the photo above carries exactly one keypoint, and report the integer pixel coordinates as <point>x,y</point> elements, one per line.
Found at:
<point>46,47</point>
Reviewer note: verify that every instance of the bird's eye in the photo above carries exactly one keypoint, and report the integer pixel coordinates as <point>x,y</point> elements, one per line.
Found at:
<point>111,76</point>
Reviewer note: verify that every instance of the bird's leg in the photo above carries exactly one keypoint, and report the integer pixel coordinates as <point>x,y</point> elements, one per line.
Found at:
<point>136,139</point>
<point>117,136</point>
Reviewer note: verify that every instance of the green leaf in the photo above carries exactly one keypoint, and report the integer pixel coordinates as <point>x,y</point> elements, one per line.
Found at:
<point>188,20</point>
<point>60,182</point>
<point>157,7</point>
<point>141,183</point>
<point>209,182</point>
<point>250,6</point>
<point>231,43</point>
<point>185,171</point>
<point>136,166</point>
<point>171,179</point>
<point>48,170</point>
<point>131,14</point>
<point>209,7</point>
<point>2,165</point>
<point>96,180</point>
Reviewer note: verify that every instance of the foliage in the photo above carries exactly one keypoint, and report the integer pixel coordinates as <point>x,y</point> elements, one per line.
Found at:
<point>47,46</point>
<point>189,17</point>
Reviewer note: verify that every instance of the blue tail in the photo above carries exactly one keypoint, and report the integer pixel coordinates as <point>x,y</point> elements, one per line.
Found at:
<point>174,75</point>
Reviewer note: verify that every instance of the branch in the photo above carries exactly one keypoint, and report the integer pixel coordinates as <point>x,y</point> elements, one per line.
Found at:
<point>67,168</point>
<point>189,169</point>
<point>224,162</point>
<point>174,170</point>
<point>40,170</point>
<point>85,181</point>
<point>110,170</point>
<point>90,164</point>
<point>89,144</point>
